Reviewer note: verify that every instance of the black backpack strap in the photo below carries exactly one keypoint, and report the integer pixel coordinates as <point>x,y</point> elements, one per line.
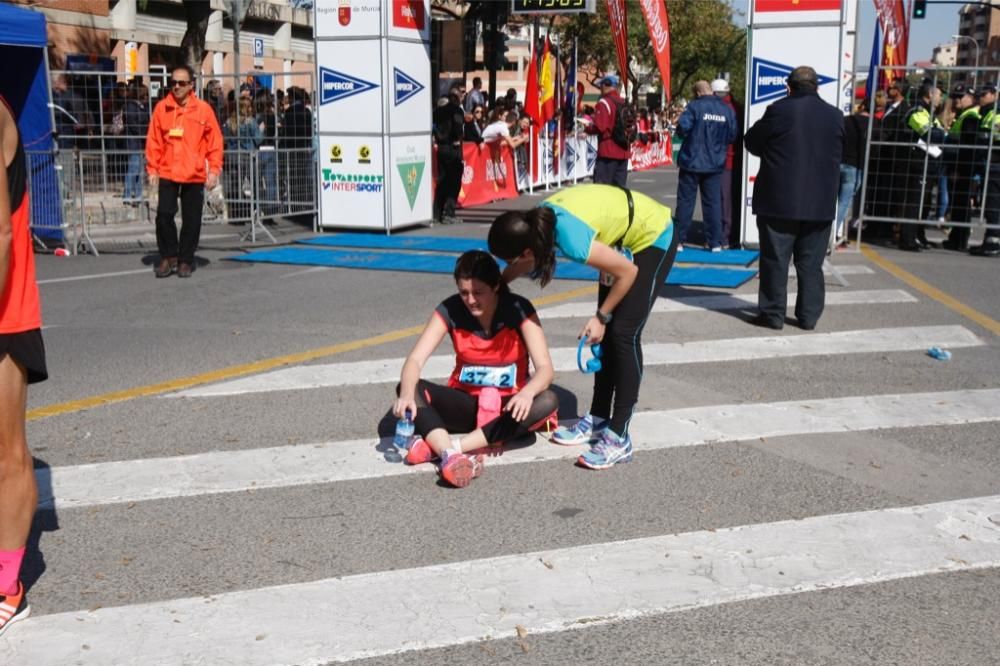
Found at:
<point>631,216</point>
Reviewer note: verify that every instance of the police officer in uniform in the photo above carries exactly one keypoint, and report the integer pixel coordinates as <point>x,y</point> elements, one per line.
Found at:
<point>449,130</point>
<point>989,134</point>
<point>964,131</point>
<point>921,126</point>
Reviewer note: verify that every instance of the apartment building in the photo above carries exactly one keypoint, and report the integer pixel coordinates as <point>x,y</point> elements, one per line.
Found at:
<point>99,34</point>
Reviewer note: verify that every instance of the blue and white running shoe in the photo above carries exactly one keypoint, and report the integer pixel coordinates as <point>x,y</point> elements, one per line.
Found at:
<point>585,431</point>
<point>609,451</point>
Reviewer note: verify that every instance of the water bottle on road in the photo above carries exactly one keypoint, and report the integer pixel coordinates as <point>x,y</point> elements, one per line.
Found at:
<point>404,433</point>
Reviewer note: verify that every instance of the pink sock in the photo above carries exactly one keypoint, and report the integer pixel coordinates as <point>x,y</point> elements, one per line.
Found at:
<point>10,566</point>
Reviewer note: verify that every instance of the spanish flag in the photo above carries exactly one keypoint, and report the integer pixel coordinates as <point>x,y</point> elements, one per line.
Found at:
<point>547,85</point>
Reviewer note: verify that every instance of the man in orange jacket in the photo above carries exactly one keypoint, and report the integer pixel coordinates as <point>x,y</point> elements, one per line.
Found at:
<point>183,155</point>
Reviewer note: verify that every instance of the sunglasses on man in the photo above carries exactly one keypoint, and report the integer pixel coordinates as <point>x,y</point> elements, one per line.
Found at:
<point>173,83</point>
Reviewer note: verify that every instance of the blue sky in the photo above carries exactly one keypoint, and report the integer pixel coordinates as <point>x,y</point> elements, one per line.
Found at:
<point>941,23</point>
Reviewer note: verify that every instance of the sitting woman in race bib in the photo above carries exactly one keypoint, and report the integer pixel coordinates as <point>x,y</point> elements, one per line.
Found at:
<point>629,238</point>
<point>489,394</point>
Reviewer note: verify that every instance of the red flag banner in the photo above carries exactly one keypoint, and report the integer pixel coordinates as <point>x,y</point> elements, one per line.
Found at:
<point>796,5</point>
<point>619,34</point>
<point>658,23</point>
<point>892,19</point>
<point>531,106</point>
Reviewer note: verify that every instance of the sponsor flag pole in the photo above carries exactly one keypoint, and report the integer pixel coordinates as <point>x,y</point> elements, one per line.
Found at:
<point>655,12</point>
<point>576,103</point>
<point>531,158</point>
<point>619,34</point>
<point>872,83</point>
<point>545,142</point>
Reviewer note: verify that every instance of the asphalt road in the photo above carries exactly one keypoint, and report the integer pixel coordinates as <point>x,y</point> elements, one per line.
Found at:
<point>94,566</point>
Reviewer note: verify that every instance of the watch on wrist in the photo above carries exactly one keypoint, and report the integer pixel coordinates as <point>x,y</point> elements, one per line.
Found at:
<point>603,318</point>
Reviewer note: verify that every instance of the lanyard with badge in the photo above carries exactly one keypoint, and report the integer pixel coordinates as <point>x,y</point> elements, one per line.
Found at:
<point>177,131</point>
<point>607,279</point>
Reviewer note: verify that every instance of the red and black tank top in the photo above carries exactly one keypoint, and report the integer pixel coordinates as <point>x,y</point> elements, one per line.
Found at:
<point>503,345</point>
<point>19,303</point>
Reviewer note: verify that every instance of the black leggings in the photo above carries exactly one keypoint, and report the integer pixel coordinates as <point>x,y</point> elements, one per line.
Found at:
<point>621,364</point>
<point>455,411</point>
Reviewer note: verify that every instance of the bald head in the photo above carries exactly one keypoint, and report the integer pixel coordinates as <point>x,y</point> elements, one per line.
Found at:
<point>702,88</point>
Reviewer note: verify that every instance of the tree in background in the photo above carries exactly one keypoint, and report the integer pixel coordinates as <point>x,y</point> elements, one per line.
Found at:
<point>704,41</point>
<point>196,15</point>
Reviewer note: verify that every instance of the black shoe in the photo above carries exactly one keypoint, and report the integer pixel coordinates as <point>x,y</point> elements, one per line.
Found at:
<point>911,247</point>
<point>958,246</point>
<point>764,321</point>
<point>804,326</point>
<point>991,249</point>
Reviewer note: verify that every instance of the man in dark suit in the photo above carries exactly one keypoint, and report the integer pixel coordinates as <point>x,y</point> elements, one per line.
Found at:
<point>799,141</point>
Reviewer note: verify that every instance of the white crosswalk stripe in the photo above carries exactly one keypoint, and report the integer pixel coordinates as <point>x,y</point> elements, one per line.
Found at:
<point>231,471</point>
<point>735,302</point>
<point>564,359</point>
<point>538,592</point>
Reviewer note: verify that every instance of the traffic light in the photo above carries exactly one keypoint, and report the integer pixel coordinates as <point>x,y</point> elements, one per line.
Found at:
<point>500,50</point>
<point>495,49</point>
<point>919,9</point>
<point>489,43</point>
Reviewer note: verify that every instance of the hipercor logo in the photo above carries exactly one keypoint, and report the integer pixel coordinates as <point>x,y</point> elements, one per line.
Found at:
<point>404,86</point>
<point>768,80</point>
<point>337,85</point>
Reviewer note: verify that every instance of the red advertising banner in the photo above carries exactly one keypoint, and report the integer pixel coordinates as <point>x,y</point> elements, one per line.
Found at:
<point>658,151</point>
<point>658,23</point>
<point>408,14</point>
<point>892,19</point>
<point>489,174</point>
<point>797,5</point>
<point>619,34</point>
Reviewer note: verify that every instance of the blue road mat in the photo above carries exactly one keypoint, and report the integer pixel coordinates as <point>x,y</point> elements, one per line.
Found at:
<point>690,255</point>
<point>693,276</point>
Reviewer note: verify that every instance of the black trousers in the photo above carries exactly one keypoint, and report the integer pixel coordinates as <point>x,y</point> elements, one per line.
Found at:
<point>192,196</point>
<point>617,382</point>
<point>611,172</point>
<point>992,210</point>
<point>455,411</point>
<point>782,241</point>
<point>449,183</point>
<point>961,209</point>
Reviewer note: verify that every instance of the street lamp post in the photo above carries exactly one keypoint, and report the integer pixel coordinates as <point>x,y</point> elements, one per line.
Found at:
<point>976,43</point>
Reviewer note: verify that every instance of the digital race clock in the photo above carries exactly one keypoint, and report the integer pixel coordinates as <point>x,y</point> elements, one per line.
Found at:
<point>553,6</point>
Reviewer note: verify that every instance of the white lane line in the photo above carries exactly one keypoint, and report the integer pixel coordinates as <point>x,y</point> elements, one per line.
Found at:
<point>847,269</point>
<point>544,592</point>
<point>735,302</point>
<point>315,269</point>
<point>284,466</point>
<point>95,276</point>
<point>907,338</point>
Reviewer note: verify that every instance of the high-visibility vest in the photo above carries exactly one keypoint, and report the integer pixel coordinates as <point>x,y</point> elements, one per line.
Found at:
<point>970,113</point>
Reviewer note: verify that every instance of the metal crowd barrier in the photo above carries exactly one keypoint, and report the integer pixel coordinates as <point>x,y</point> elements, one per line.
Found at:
<point>100,174</point>
<point>907,181</point>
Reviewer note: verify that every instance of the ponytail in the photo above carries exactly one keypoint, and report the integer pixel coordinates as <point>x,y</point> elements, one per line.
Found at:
<point>514,232</point>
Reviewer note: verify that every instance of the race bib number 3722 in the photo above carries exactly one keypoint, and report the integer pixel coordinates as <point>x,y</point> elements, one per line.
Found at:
<point>486,375</point>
